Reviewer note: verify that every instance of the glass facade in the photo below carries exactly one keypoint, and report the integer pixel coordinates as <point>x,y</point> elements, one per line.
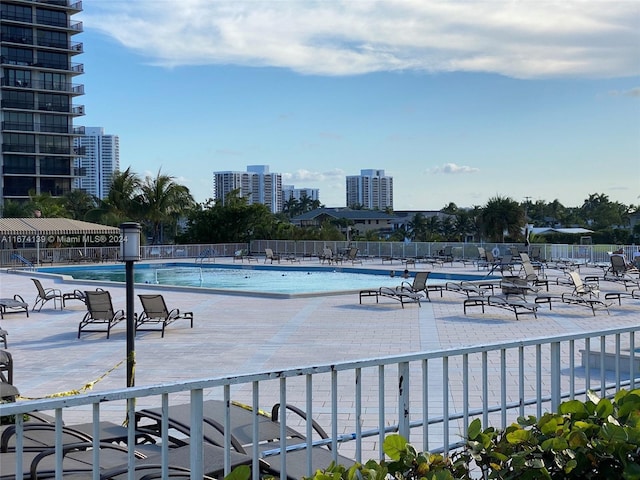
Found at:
<point>37,92</point>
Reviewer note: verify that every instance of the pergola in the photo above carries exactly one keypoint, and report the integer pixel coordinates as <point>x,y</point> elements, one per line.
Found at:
<point>41,232</point>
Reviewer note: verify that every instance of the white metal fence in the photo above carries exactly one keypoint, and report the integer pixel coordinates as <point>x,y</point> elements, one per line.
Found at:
<point>468,251</point>
<point>430,397</point>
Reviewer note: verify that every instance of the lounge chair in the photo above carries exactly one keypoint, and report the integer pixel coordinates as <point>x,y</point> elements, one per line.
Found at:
<point>77,459</point>
<point>241,433</point>
<point>6,366</point>
<point>46,294</point>
<point>418,285</point>
<point>13,305</point>
<point>585,295</point>
<point>352,256</point>
<point>471,289</point>
<point>621,270</point>
<point>527,282</point>
<point>517,306</point>
<point>388,292</point>
<point>100,313</point>
<point>156,313</point>
<point>269,255</point>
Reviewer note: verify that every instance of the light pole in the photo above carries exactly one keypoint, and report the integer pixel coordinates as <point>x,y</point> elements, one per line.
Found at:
<point>130,253</point>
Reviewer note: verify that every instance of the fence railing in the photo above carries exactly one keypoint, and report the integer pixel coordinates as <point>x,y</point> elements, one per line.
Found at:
<point>306,248</point>
<point>430,397</point>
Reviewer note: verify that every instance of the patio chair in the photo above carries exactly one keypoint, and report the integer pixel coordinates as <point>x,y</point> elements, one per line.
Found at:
<point>241,433</point>
<point>418,285</point>
<point>46,294</point>
<point>269,255</point>
<point>620,269</point>
<point>6,365</point>
<point>156,313</point>
<point>101,317</point>
<point>352,256</point>
<point>585,295</point>
<point>13,305</point>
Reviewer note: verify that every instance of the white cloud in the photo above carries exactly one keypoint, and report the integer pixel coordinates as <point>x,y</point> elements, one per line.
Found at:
<point>309,176</point>
<point>633,92</point>
<point>452,168</point>
<point>523,39</point>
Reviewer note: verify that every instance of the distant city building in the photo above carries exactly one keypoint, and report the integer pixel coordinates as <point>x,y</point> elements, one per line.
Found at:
<point>37,94</point>
<point>372,189</point>
<point>257,185</point>
<point>289,192</point>
<point>100,159</point>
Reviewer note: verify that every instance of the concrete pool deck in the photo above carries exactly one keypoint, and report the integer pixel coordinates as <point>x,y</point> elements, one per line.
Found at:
<point>240,334</point>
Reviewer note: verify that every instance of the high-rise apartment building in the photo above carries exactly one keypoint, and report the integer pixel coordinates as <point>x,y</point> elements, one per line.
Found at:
<point>257,185</point>
<point>372,189</point>
<point>36,97</point>
<point>100,159</point>
<point>290,191</point>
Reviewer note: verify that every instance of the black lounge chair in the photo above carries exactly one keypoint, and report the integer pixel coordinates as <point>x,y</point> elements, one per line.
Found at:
<point>241,434</point>
<point>156,313</point>
<point>46,294</point>
<point>13,305</point>
<point>101,317</point>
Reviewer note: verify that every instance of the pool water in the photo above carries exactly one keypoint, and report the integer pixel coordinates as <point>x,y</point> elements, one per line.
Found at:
<point>257,280</point>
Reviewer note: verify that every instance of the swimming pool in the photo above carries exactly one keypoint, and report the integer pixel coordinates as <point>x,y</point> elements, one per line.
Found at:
<point>257,279</point>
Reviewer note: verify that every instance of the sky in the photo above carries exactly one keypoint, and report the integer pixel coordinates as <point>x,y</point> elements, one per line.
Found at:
<point>458,101</point>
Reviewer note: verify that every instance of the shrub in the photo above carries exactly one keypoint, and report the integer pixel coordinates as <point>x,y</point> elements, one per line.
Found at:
<point>595,439</point>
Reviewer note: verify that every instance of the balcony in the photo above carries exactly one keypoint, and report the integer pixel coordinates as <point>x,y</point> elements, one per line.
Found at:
<point>17,126</point>
<point>78,110</point>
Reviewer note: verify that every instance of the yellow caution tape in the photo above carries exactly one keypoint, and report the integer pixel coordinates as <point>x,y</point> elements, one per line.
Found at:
<point>85,388</point>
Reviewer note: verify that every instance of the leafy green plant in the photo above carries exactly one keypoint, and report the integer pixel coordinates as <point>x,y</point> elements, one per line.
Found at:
<point>596,439</point>
<point>593,440</point>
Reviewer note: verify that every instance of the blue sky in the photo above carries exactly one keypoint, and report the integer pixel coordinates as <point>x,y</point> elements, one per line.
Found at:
<point>458,101</point>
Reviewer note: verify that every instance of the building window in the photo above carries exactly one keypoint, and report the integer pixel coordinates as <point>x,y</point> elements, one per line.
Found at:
<point>18,142</point>
<point>55,166</point>
<point>53,60</point>
<point>14,34</point>
<point>53,102</point>
<point>17,78</point>
<point>47,38</point>
<point>19,164</point>
<point>15,12</point>
<point>18,186</point>
<point>54,81</point>
<point>55,18</point>
<point>17,56</point>
<point>56,187</point>
<point>55,144</point>
<point>54,123</point>
<point>18,121</point>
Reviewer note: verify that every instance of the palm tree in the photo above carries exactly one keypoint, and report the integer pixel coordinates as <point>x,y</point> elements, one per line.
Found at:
<point>417,228</point>
<point>502,215</point>
<point>123,193</point>
<point>78,203</point>
<point>162,201</point>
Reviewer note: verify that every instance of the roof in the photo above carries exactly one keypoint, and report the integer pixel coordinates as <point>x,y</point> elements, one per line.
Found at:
<point>347,213</point>
<point>53,226</point>
<point>545,230</point>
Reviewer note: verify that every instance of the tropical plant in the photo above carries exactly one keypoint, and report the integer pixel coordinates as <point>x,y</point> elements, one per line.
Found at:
<point>162,201</point>
<point>502,217</point>
<point>598,439</point>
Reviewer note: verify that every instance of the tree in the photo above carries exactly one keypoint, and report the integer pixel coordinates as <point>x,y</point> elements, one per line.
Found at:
<point>13,209</point>
<point>121,202</point>
<point>502,217</point>
<point>78,203</point>
<point>162,201</point>
<point>417,228</point>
